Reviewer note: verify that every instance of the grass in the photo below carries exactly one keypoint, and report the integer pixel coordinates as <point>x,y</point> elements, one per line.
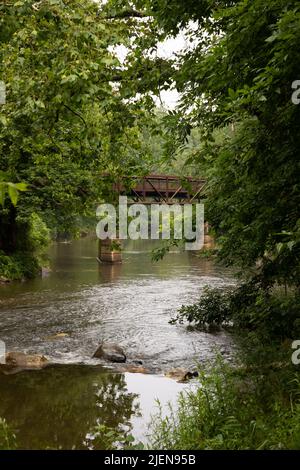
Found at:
<point>251,405</point>
<point>7,437</point>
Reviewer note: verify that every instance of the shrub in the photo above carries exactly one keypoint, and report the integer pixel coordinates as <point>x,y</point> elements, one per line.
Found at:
<point>231,410</point>
<point>27,261</point>
<point>247,307</point>
<point>212,310</point>
<point>18,266</point>
<point>39,234</point>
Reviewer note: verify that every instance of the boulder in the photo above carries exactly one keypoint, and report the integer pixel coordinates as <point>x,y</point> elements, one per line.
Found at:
<point>181,375</point>
<point>137,362</point>
<point>110,352</point>
<point>134,369</point>
<point>17,361</point>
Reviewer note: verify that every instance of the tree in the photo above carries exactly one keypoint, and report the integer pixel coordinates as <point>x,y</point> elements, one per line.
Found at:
<point>67,117</point>
<point>237,79</point>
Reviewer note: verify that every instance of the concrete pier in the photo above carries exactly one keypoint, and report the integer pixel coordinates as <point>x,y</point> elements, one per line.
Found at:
<point>110,251</point>
<point>209,241</point>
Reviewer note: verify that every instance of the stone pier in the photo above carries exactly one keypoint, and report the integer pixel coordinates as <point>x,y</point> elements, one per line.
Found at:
<point>209,241</point>
<point>110,251</point>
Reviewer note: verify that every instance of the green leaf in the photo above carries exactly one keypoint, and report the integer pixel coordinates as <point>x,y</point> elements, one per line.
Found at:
<point>13,193</point>
<point>21,186</point>
<point>2,193</point>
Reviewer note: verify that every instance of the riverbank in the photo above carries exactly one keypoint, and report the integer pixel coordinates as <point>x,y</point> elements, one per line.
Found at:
<point>253,405</point>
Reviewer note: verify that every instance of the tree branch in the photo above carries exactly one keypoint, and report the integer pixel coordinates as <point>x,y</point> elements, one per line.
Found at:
<point>127,14</point>
<point>76,114</point>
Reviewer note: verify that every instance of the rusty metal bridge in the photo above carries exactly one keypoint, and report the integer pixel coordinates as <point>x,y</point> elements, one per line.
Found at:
<point>166,189</point>
<point>163,189</point>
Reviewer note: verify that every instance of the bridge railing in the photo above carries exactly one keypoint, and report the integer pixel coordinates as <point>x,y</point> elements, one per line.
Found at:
<point>167,188</point>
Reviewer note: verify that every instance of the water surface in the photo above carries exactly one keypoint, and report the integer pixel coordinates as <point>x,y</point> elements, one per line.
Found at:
<point>130,304</point>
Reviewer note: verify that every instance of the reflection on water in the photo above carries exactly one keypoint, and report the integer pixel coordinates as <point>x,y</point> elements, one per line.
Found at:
<point>129,303</point>
<point>61,406</point>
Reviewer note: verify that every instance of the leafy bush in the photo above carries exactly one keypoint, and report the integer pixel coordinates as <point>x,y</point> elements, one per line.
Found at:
<point>246,307</point>
<point>274,315</point>
<point>18,266</point>
<point>231,410</point>
<point>39,234</point>
<point>212,310</point>
<point>27,261</point>
<point>9,269</point>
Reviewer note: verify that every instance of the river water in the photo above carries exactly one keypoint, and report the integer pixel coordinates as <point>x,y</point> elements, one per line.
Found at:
<point>130,304</point>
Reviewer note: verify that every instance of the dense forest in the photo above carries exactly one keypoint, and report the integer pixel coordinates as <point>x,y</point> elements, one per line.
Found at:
<point>75,109</point>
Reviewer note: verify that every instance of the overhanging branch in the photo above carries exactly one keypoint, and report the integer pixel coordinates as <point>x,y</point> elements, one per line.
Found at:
<point>127,14</point>
<point>75,113</point>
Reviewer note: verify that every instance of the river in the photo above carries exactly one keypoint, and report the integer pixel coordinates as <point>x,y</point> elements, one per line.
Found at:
<point>129,304</point>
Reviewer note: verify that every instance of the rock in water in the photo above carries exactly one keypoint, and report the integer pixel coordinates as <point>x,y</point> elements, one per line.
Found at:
<point>17,361</point>
<point>110,352</point>
<point>134,369</point>
<point>137,362</point>
<point>181,375</point>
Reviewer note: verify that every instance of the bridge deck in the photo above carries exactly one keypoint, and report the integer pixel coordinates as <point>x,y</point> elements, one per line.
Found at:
<point>161,188</point>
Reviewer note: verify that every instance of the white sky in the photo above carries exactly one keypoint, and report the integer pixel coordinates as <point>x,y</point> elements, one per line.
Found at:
<point>166,49</point>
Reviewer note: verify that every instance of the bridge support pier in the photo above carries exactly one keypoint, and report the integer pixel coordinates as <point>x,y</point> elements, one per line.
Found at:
<point>109,251</point>
<point>209,242</point>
